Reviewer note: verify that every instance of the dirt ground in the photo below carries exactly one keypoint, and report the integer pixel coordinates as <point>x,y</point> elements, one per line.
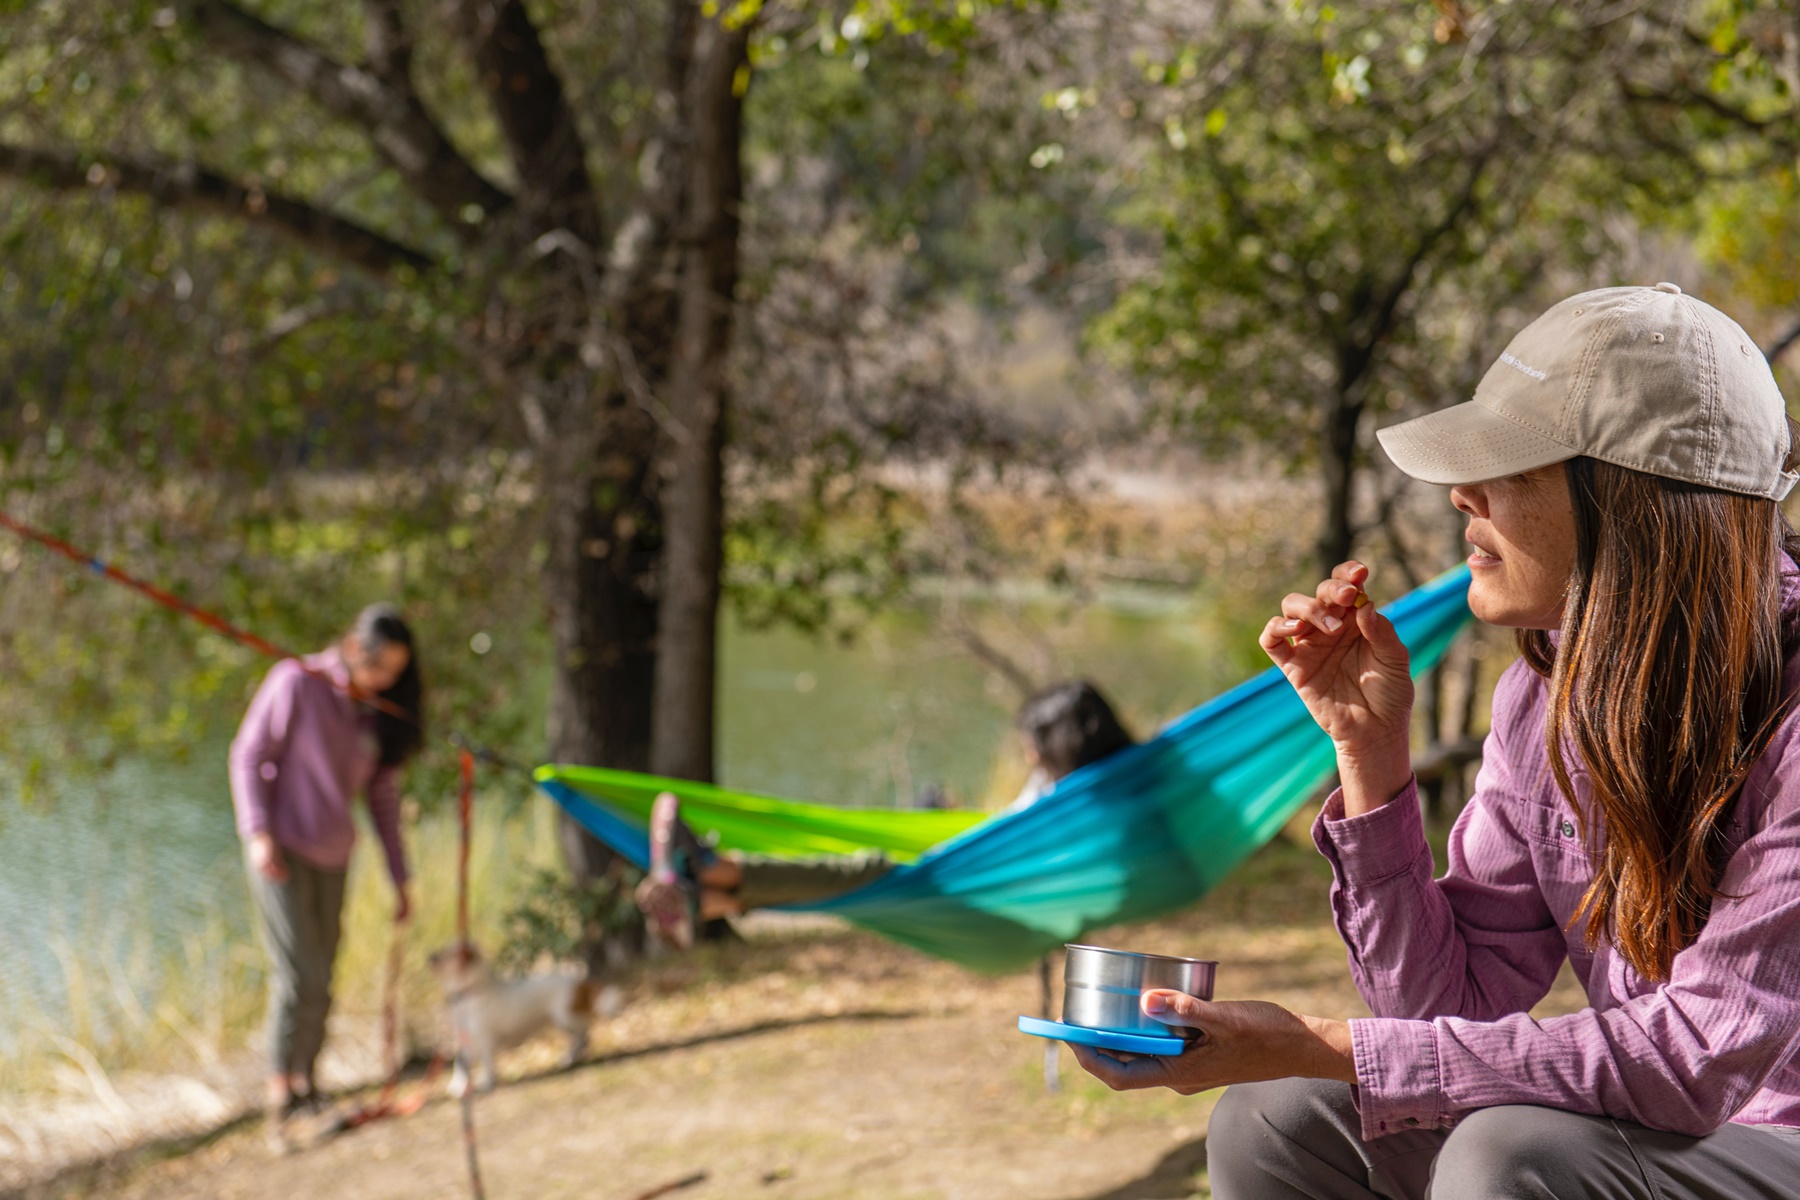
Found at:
<point>811,1063</point>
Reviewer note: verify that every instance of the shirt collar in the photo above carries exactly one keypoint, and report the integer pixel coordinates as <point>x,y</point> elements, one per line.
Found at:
<point>330,663</point>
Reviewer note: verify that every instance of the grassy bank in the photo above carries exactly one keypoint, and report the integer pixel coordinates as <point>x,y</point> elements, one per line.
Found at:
<point>194,1005</point>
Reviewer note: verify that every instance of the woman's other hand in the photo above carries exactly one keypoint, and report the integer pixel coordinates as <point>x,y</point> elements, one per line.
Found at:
<point>267,858</point>
<point>1354,675</point>
<point>402,905</point>
<point>1241,1041</point>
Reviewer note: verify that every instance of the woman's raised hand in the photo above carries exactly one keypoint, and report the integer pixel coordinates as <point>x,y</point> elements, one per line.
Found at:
<point>1352,672</point>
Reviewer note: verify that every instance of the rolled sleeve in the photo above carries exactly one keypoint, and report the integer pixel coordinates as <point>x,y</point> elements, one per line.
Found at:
<point>1478,943</point>
<point>257,751</point>
<point>384,814</point>
<point>1399,1083</point>
<point>1378,844</point>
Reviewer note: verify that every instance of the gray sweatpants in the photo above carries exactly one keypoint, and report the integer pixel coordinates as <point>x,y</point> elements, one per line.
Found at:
<point>769,880</point>
<point>300,923</point>
<point>1301,1138</point>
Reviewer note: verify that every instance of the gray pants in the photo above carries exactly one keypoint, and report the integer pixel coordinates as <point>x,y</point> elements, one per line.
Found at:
<point>300,924</point>
<point>1300,1138</point>
<point>769,880</point>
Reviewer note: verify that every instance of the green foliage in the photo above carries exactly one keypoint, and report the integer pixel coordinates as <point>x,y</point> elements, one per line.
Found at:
<point>1751,232</point>
<point>100,673</point>
<point>1345,210</point>
<point>283,439</point>
<point>553,918</point>
<point>927,117</point>
<point>1314,163</point>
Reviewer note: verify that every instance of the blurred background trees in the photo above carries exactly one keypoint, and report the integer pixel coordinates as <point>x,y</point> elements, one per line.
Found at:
<point>558,321</point>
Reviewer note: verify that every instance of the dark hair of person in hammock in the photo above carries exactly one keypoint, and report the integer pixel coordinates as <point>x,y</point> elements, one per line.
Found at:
<point>1071,725</point>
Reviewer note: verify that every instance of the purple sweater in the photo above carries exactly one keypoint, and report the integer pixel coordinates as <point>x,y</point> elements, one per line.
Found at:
<point>300,757</point>
<point>1450,966</point>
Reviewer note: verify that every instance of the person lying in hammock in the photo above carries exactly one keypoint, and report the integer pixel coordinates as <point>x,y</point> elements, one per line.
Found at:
<point>1063,728</point>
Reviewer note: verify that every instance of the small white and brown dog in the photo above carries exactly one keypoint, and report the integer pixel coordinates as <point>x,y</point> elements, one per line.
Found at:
<point>488,1015</point>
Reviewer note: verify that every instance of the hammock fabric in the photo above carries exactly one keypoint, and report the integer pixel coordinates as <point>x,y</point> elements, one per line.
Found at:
<point>1146,831</point>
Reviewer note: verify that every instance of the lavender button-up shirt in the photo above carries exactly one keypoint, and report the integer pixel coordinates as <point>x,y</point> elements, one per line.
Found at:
<point>300,757</point>
<point>1450,966</point>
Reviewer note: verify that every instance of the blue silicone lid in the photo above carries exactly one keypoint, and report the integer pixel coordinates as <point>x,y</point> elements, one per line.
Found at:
<point>1104,1039</point>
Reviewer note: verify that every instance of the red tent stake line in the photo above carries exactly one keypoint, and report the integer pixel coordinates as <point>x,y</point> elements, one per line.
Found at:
<point>169,600</point>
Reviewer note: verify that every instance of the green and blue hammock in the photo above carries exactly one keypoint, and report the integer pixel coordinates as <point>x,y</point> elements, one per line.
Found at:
<point>1146,831</point>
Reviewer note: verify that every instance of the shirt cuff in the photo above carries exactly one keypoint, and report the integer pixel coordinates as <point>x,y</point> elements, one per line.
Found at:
<point>1381,842</point>
<point>252,819</point>
<point>1399,1086</point>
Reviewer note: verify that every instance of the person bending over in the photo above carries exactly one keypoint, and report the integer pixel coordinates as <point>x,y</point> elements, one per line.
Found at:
<point>1636,815</point>
<point>1061,728</point>
<point>304,751</point>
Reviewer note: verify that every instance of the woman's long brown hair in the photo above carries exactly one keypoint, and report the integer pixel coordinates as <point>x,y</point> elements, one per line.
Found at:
<point>1666,683</point>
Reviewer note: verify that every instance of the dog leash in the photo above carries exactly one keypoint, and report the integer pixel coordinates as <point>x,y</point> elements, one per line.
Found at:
<point>386,1104</point>
<point>464,802</point>
<point>389,1103</point>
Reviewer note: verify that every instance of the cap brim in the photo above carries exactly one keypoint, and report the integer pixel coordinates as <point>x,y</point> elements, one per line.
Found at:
<point>1468,443</point>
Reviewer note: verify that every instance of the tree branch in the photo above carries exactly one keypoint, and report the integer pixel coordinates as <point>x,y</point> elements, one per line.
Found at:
<point>528,99</point>
<point>1778,129</point>
<point>387,43</point>
<point>184,185</point>
<point>1779,346</point>
<point>1460,208</point>
<point>380,98</point>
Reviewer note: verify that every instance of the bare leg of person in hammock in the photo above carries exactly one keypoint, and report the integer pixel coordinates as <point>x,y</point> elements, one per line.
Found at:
<point>1062,728</point>
<point>688,881</point>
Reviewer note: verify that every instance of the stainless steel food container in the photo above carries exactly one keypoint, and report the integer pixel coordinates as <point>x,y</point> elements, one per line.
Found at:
<point>1101,987</point>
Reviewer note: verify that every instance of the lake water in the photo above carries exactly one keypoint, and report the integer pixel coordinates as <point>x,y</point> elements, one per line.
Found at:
<point>871,723</point>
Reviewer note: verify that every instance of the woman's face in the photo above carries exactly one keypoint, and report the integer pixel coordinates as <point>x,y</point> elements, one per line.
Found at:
<point>375,670</point>
<point>1523,531</point>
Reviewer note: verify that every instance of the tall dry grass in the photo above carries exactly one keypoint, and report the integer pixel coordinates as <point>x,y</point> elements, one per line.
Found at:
<point>160,1009</point>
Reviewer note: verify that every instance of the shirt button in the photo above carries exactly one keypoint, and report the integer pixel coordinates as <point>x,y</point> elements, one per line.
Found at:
<point>1568,829</point>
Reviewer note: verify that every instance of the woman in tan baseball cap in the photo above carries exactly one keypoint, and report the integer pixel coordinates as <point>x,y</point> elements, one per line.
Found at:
<point>1637,814</point>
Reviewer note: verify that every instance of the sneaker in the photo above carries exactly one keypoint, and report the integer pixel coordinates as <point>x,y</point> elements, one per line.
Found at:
<point>664,895</point>
<point>323,1115</point>
<point>281,1126</point>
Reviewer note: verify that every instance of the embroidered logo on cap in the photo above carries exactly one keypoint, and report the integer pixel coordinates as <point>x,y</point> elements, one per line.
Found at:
<point>1522,368</point>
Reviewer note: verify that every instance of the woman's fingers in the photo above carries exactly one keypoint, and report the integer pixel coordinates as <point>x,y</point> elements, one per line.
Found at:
<point>1336,602</point>
<point>1122,1074</point>
<point>1337,592</point>
<point>1380,633</point>
<point>1299,607</point>
<point>1279,635</point>
<point>1175,1008</point>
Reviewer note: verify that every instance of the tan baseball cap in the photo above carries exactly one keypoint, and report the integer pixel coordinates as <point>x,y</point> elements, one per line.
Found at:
<point>1642,377</point>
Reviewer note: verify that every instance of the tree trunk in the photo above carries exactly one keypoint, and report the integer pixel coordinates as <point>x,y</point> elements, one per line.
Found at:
<point>1431,792</point>
<point>599,581</point>
<point>1337,465</point>
<point>697,398</point>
